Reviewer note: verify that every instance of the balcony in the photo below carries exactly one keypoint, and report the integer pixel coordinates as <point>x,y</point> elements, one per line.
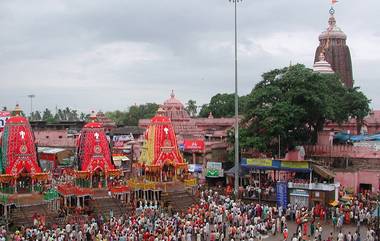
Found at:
<point>312,186</point>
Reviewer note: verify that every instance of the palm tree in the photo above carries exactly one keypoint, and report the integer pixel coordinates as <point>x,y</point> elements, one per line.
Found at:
<point>191,107</point>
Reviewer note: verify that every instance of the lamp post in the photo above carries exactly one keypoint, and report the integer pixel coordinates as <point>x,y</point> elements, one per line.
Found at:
<point>236,184</point>
<point>31,104</point>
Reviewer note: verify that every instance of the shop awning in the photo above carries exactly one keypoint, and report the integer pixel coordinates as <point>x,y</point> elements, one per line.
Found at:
<point>323,172</point>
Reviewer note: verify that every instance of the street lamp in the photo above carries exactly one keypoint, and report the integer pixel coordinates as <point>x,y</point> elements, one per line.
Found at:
<point>236,186</point>
<point>31,104</point>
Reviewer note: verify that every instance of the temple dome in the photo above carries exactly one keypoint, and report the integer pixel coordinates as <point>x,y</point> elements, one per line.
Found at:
<point>332,31</point>
<point>173,102</point>
<point>174,109</point>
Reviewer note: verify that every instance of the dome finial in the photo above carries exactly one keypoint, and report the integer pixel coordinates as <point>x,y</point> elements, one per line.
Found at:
<point>172,94</point>
<point>160,111</point>
<point>17,111</point>
<point>93,116</point>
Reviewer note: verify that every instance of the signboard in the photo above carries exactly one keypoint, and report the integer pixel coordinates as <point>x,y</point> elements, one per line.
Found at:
<point>195,168</point>
<point>4,116</point>
<point>194,145</point>
<point>214,165</point>
<point>282,194</point>
<point>295,164</point>
<point>259,162</point>
<point>214,169</point>
<point>123,138</point>
<point>299,192</point>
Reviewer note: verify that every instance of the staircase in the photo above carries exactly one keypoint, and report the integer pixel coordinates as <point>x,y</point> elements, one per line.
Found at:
<point>105,204</point>
<point>180,200</point>
<point>23,215</point>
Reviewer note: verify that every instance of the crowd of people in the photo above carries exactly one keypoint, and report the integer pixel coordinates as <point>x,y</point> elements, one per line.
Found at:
<point>215,217</point>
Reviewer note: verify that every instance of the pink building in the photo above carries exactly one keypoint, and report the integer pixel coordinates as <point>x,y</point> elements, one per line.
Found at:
<point>359,180</point>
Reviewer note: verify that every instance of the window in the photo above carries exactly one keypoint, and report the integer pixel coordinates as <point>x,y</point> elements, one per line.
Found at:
<point>47,137</point>
<point>60,137</point>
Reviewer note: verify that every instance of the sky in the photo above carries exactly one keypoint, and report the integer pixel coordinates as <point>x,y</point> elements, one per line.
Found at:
<point>111,54</point>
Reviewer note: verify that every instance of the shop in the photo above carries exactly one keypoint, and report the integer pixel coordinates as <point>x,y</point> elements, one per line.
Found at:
<point>299,197</point>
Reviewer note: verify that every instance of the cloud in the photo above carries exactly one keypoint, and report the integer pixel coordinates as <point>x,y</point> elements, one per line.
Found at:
<point>95,54</point>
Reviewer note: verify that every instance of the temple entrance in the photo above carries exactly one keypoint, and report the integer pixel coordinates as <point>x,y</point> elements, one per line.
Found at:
<point>24,182</point>
<point>365,187</point>
<point>168,172</point>
<point>98,179</point>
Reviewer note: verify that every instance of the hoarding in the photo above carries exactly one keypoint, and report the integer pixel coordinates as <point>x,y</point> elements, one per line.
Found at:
<point>259,162</point>
<point>194,145</point>
<point>282,194</point>
<point>214,169</point>
<point>4,116</point>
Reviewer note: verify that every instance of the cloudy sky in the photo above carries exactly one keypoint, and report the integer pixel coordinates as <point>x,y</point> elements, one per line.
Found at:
<point>110,54</point>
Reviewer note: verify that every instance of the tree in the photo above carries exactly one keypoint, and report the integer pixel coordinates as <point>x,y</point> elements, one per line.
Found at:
<point>47,115</point>
<point>134,114</point>
<point>36,116</point>
<point>223,105</point>
<point>293,104</point>
<point>357,106</point>
<point>191,107</point>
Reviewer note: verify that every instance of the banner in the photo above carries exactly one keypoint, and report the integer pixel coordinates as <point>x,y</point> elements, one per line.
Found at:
<point>259,162</point>
<point>4,116</point>
<point>295,164</point>
<point>195,168</point>
<point>123,138</point>
<point>282,194</point>
<point>194,145</point>
<point>214,165</point>
<point>214,169</point>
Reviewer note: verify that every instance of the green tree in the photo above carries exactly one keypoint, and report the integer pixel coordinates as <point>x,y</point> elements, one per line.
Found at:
<point>36,116</point>
<point>191,107</point>
<point>293,104</point>
<point>223,105</point>
<point>357,106</point>
<point>47,115</point>
<point>134,114</point>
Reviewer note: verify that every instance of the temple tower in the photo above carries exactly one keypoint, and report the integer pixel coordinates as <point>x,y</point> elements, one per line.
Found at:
<point>332,44</point>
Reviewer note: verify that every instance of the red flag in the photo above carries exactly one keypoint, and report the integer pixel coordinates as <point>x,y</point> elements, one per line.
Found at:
<point>334,1</point>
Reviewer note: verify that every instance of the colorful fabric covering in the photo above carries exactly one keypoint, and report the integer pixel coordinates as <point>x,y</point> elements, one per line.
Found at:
<point>160,146</point>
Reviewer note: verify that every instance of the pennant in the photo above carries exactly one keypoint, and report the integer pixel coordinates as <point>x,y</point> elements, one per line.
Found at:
<point>334,2</point>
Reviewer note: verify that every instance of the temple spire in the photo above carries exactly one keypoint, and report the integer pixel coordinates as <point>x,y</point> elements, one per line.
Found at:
<point>336,54</point>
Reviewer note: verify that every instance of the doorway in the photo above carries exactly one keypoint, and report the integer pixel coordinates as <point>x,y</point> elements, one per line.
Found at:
<point>365,187</point>
<point>24,182</point>
<point>98,179</point>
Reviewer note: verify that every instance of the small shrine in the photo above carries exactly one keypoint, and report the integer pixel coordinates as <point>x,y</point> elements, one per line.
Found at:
<point>161,159</point>
<point>19,168</point>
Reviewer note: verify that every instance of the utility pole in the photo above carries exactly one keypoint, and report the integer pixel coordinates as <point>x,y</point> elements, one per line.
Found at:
<point>279,146</point>
<point>31,104</point>
<point>237,163</point>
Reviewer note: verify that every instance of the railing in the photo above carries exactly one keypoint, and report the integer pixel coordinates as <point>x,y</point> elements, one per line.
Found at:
<point>312,186</point>
<point>83,183</point>
<point>9,190</point>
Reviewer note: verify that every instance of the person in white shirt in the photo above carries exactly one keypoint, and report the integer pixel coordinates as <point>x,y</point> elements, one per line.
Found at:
<point>340,236</point>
